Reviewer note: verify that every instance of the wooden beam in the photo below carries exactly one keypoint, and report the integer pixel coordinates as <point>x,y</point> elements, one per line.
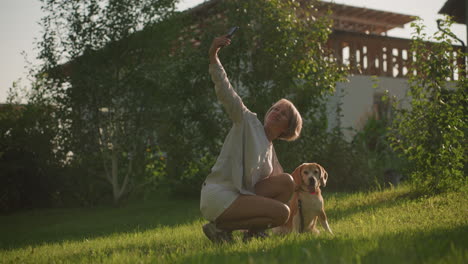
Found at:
<point>364,21</point>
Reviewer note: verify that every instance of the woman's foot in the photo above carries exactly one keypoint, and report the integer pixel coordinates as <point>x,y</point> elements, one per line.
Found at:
<point>215,234</point>
<point>254,234</point>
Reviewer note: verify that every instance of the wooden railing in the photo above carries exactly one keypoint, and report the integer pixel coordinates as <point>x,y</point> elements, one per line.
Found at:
<point>377,55</point>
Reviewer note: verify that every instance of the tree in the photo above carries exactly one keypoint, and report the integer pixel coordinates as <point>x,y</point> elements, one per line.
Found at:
<point>145,88</point>
<point>431,133</point>
<point>279,51</point>
<point>92,52</point>
<point>30,164</point>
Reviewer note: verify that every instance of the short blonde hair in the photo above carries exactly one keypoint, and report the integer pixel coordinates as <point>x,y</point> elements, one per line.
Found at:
<point>295,120</point>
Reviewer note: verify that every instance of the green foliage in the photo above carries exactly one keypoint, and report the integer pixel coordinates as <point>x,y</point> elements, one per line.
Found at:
<point>392,226</point>
<point>93,53</point>
<point>130,85</point>
<point>30,166</point>
<point>356,165</point>
<point>373,145</point>
<point>347,164</point>
<point>431,133</point>
<point>275,54</point>
<point>285,42</point>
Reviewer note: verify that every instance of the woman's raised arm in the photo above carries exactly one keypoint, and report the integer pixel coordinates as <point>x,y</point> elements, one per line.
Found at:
<point>216,45</point>
<point>224,91</point>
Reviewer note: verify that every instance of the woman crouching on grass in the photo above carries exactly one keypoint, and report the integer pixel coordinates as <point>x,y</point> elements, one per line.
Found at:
<point>247,189</point>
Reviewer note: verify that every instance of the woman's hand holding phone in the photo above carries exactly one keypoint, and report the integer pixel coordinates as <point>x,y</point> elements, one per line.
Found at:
<point>220,42</point>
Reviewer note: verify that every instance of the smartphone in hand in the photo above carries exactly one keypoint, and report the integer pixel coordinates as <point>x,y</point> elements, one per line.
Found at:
<point>232,31</point>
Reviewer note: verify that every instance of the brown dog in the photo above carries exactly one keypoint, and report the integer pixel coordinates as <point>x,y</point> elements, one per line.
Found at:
<point>306,205</point>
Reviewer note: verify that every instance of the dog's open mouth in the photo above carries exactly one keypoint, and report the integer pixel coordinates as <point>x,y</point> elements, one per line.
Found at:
<point>311,188</point>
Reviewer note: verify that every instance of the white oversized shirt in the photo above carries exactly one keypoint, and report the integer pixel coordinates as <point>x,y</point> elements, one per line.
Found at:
<point>246,156</point>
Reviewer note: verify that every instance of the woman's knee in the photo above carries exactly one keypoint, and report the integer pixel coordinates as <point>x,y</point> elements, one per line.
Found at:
<point>288,182</point>
<point>281,215</point>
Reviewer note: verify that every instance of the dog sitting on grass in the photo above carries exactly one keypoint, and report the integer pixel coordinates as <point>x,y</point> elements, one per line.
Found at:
<point>307,205</point>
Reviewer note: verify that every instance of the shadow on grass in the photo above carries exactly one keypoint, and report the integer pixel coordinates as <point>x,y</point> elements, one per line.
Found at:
<point>437,245</point>
<point>37,227</point>
<point>387,200</point>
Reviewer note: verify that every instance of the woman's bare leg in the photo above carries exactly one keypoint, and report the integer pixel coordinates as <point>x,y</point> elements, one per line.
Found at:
<point>253,212</point>
<point>265,210</point>
<point>279,187</point>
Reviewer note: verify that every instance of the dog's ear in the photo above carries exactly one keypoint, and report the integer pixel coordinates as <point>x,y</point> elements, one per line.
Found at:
<point>323,176</point>
<point>297,175</point>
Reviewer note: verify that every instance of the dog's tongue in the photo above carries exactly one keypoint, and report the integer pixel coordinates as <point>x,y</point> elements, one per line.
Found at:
<point>311,189</point>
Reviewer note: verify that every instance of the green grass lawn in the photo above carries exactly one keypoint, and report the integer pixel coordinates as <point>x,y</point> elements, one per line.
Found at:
<point>391,226</point>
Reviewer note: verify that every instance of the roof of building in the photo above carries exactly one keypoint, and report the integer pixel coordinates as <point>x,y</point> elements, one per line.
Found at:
<point>456,9</point>
<point>345,17</point>
<point>364,20</point>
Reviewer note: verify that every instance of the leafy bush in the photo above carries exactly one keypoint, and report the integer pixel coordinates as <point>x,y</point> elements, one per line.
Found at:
<point>431,133</point>
<point>29,164</point>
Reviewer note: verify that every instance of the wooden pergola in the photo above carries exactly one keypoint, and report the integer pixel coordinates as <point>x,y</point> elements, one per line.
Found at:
<point>360,40</point>
<point>363,20</point>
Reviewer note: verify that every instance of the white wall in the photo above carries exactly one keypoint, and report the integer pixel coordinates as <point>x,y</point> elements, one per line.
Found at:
<point>357,99</point>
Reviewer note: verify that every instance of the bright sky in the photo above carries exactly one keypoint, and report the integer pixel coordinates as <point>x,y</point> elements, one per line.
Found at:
<point>19,29</point>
